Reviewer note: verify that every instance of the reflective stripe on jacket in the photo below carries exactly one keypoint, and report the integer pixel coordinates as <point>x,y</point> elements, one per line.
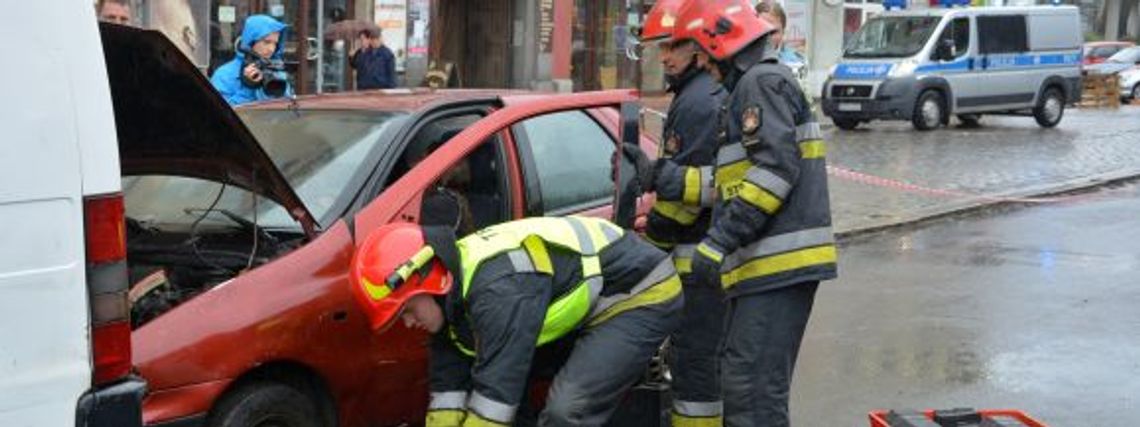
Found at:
<point>682,210</point>
<point>774,216</point>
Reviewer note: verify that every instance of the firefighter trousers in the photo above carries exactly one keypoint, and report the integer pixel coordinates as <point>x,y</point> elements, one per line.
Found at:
<point>762,339</point>
<point>693,358</point>
<point>606,361</point>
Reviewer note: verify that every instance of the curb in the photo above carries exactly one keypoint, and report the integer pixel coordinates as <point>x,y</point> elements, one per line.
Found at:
<point>984,202</point>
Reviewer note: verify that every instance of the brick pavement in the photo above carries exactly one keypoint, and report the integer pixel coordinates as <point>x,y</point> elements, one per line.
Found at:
<point>1004,156</point>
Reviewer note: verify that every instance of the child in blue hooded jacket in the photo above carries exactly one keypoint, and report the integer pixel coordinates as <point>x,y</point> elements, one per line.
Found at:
<point>261,36</point>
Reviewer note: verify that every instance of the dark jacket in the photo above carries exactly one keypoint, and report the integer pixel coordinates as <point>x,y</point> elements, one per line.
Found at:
<point>773,219</point>
<point>689,144</point>
<point>375,68</point>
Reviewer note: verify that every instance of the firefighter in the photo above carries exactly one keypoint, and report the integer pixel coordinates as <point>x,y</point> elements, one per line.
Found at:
<point>491,298</point>
<point>682,211</point>
<point>770,242</point>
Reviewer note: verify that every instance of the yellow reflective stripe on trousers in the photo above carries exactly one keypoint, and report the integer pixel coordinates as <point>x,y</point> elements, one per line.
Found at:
<point>678,420</point>
<point>774,264</point>
<point>677,211</point>
<point>489,410</point>
<point>660,293</point>
<point>474,420</point>
<point>813,149</point>
<point>445,418</point>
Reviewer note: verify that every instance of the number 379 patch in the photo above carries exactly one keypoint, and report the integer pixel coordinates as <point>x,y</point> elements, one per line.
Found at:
<point>750,121</point>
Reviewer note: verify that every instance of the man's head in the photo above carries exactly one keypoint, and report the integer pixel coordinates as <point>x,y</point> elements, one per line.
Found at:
<point>677,56</point>
<point>774,13</point>
<point>114,11</point>
<point>370,38</point>
<point>397,273</point>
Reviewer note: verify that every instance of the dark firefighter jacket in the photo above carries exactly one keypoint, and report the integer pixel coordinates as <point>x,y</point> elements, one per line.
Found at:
<point>773,218</point>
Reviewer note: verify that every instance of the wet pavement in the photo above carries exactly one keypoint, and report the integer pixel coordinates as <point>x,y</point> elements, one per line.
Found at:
<point>1004,156</point>
<point>1032,308</point>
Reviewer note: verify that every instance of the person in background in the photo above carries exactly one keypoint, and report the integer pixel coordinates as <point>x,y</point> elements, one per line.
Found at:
<point>114,11</point>
<point>374,63</point>
<point>260,50</point>
<point>774,13</point>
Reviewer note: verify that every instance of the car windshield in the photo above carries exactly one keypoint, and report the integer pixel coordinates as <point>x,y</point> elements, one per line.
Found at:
<point>891,37</point>
<point>319,152</point>
<point>1126,56</point>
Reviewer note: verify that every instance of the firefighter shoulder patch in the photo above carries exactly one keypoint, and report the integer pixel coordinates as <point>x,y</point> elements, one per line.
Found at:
<point>750,120</point>
<point>672,144</point>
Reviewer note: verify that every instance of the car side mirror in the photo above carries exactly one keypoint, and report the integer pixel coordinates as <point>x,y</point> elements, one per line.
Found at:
<point>627,188</point>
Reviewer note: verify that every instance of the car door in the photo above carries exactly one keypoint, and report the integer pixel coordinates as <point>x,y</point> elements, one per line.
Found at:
<point>402,199</point>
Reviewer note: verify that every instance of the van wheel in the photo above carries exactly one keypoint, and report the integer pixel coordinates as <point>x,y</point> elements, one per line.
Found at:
<point>927,111</point>
<point>265,404</point>
<point>845,124</point>
<point>1050,108</point>
<point>970,120</point>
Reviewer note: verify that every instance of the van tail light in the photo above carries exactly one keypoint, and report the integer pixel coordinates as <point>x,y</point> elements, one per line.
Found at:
<point>107,287</point>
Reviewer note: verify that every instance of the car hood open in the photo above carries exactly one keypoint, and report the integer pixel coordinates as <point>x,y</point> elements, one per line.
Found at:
<point>171,121</point>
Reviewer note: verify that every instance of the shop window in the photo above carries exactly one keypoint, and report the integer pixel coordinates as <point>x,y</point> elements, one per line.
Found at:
<point>1002,34</point>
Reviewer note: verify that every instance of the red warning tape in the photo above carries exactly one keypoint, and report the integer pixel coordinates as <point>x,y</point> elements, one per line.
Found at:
<point>878,181</point>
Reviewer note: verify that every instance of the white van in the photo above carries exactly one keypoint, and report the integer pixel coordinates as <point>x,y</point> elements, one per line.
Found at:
<point>65,349</point>
<point>925,65</point>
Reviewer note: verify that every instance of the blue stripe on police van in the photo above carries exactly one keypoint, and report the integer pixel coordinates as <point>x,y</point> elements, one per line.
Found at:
<point>1003,62</point>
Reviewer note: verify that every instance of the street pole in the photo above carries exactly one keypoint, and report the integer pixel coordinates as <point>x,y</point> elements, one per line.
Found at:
<point>320,46</point>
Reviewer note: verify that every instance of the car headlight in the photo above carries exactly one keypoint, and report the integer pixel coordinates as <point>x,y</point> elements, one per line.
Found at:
<point>831,71</point>
<point>903,69</point>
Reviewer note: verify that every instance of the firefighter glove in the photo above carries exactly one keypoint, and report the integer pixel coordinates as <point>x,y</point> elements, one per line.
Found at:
<point>707,260</point>
<point>642,166</point>
<point>666,180</point>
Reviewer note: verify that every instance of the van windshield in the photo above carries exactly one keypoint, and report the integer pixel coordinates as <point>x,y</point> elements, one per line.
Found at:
<point>891,37</point>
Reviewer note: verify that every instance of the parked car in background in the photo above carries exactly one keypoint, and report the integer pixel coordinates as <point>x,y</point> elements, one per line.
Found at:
<point>1097,52</point>
<point>1130,84</point>
<point>926,65</point>
<point>241,226</point>
<point>1122,60</point>
<point>65,338</point>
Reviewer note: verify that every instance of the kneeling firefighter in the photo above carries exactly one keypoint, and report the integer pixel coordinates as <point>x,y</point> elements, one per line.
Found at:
<point>492,297</point>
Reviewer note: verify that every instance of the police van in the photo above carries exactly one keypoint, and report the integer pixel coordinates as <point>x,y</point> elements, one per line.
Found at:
<point>926,65</point>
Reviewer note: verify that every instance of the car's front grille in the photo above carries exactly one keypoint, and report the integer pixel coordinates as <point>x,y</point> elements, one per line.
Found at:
<point>851,91</point>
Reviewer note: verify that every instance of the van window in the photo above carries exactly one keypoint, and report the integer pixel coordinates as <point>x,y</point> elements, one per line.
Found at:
<point>1002,34</point>
<point>959,32</point>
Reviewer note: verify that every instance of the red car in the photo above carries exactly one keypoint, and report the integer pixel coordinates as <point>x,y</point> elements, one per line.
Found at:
<point>241,226</point>
<point>1098,52</point>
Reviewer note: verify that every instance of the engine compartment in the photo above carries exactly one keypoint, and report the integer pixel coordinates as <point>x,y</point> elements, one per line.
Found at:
<point>169,266</point>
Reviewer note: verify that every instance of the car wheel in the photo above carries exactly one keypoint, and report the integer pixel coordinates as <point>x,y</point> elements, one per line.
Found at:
<point>970,120</point>
<point>927,111</point>
<point>845,124</point>
<point>1050,108</point>
<point>265,404</point>
<point>1135,93</point>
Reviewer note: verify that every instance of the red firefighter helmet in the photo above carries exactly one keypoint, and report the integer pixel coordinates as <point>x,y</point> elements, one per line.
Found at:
<point>722,27</point>
<point>660,20</point>
<point>393,265</point>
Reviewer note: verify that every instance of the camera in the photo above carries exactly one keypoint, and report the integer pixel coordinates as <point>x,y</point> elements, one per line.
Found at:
<point>273,78</point>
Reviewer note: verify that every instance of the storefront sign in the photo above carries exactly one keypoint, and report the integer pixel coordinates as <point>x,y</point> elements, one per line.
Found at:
<point>545,25</point>
<point>392,18</point>
<point>799,25</point>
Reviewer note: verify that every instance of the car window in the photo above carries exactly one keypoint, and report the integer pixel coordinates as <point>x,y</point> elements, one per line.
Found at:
<point>571,161</point>
<point>1002,34</point>
<point>321,152</point>
<point>959,32</point>
<point>1127,56</point>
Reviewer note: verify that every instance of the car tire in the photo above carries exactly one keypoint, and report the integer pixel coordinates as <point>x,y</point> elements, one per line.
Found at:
<point>1135,93</point>
<point>1050,108</point>
<point>265,404</point>
<point>845,124</point>
<point>970,120</point>
<point>929,111</point>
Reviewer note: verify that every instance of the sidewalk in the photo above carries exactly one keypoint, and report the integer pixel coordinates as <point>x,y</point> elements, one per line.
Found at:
<point>965,169</point>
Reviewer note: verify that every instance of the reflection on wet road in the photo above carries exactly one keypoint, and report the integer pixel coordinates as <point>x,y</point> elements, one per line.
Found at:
<point>1034,308</point>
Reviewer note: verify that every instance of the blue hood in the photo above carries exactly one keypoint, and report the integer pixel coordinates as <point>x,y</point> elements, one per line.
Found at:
<point>256,28</point>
